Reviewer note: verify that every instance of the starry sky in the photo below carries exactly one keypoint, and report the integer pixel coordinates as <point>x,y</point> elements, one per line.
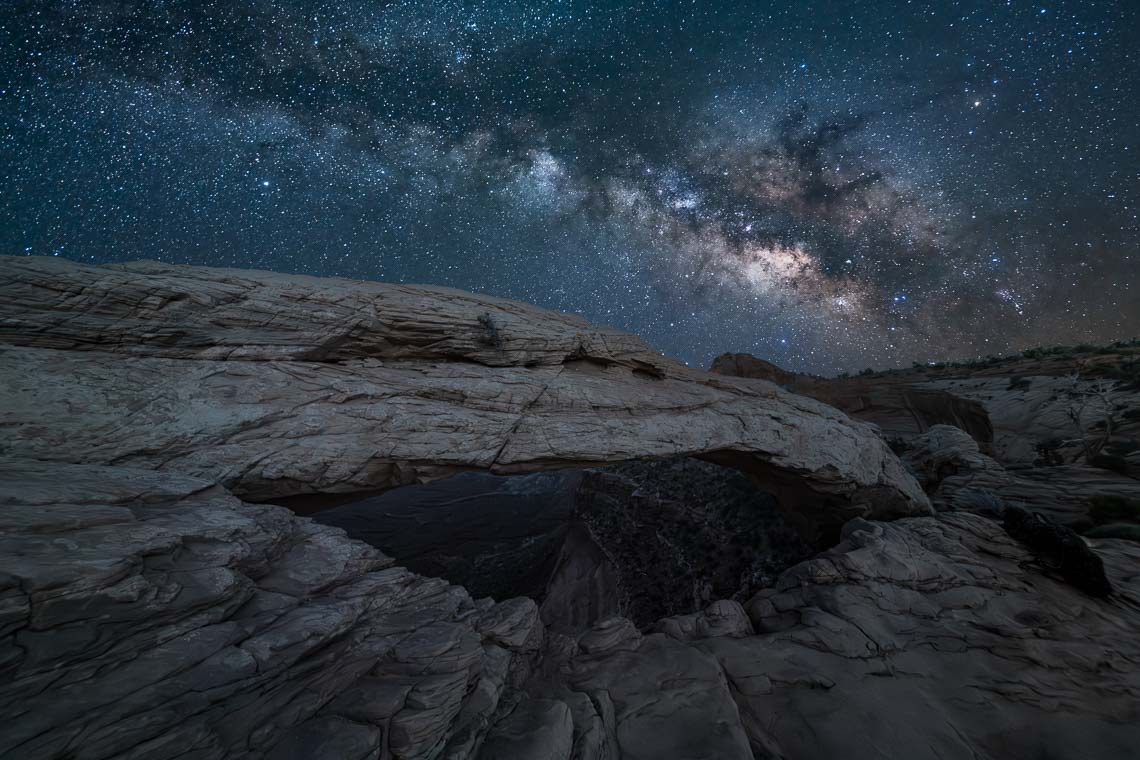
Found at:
<point>829,185</point>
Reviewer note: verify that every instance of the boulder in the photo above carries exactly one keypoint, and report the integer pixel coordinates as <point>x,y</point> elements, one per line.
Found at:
<point>945,451</point>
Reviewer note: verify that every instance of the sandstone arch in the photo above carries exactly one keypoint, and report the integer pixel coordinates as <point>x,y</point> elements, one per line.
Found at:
<point>274,385</point>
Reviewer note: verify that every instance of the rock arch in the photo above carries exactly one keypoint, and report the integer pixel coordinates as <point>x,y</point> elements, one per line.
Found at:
<point>274,385</point>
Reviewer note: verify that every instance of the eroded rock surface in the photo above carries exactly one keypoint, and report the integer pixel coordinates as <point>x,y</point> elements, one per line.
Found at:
<point>923,638</point>
<point>956,475</point>
<point>1022,410</point>
<point>274,385</point>
<point>1043,419</point>
<point>900,410</point>
<point>147,612</point>
<point>149,615</point>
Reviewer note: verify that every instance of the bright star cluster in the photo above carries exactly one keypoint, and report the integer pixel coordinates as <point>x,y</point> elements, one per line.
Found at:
<point>829,185</point>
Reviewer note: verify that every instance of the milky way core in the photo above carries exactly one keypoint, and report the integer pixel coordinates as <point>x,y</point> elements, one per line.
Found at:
<point>828,185</point>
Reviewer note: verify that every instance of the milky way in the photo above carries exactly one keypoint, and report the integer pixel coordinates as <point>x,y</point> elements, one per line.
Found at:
<point>829,185</point>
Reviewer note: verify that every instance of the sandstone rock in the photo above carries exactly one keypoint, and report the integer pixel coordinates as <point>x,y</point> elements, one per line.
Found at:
<point>957,475</point>
<point>900,410</point>
<point>921,638</point>
<point>609,635</point>
<point>1031,399</point>
<point>275,385</point>
<point>146,612</point>
<point>513,624</point>
<point>585,586</point>
<point>330,737</point>
<point>722,618</point>
<point>1031,415</point>
<point>539,729</point>
<point>663,698</point>
<point>940,639</point>
<point>152,615</point>
<point>944,451</point>
<point>147,615</point>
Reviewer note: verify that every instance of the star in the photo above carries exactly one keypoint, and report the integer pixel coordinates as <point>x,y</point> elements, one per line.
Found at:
<point>727,177</point>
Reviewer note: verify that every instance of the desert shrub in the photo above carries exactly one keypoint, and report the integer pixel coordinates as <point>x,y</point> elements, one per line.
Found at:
<point>490,335</point>
<point>1048,453</point>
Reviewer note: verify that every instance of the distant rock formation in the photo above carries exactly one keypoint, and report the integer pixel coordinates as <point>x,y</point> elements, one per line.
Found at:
<point>275,385</point>
<point>1042,407</point>
<point>1048,414</point>
<point>956,475</point>
<point>901,410</point>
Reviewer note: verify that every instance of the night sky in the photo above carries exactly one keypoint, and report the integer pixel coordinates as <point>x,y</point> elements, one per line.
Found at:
<point>829,185</point>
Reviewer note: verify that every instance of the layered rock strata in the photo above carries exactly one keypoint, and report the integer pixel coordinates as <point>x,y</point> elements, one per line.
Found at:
<point>275,385</point>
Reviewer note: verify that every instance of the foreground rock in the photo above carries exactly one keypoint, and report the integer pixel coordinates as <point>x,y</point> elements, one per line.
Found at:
<point>147,615</point>
<point>924,638</point>
<point>275,385</point>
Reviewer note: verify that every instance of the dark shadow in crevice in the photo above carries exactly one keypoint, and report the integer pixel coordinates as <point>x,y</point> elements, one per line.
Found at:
<point>642,539</point>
